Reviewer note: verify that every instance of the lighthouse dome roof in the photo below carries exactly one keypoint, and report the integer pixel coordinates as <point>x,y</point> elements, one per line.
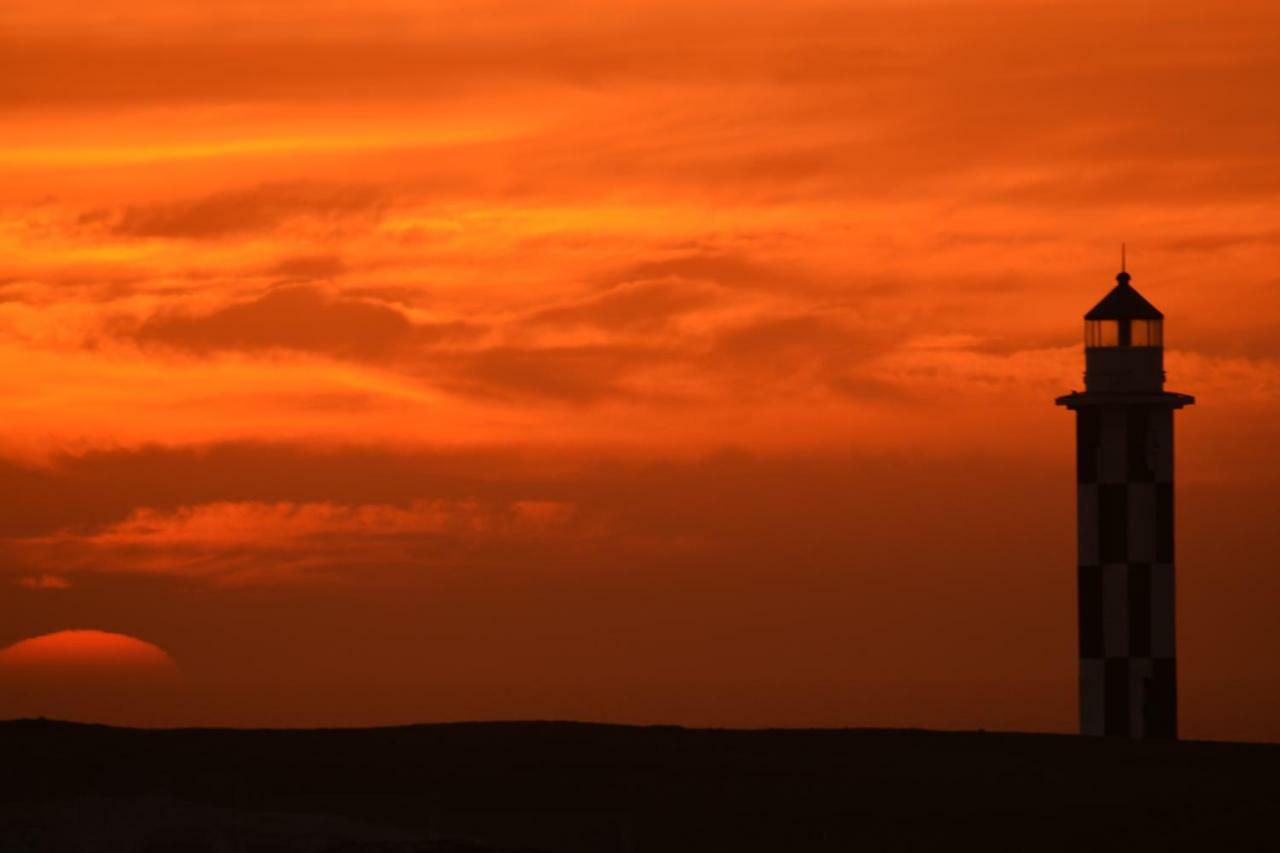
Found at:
<point>1124,303</point>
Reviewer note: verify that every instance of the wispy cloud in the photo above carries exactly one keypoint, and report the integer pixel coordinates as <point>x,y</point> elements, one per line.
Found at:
<point>44,582</point>
<point>254,210</point>
<point>255,542</point>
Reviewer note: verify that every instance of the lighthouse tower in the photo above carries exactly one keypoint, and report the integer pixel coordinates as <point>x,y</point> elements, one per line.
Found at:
<point>1124,472</point>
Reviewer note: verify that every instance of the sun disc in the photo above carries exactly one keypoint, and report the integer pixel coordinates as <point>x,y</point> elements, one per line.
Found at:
<point>85,652</point>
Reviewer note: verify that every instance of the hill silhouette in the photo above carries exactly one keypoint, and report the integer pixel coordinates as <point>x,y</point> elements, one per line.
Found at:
<point>577,787</point>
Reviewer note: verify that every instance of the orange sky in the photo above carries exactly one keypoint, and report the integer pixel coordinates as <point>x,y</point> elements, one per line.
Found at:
<point>686,362</point>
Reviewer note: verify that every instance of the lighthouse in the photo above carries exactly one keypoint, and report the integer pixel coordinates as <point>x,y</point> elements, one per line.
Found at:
<point>1124,476</point>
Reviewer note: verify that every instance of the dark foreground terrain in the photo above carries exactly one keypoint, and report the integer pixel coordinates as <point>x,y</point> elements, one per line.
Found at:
<point>578,787</point>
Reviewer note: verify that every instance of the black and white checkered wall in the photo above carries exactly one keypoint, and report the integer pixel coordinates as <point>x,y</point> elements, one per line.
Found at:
<point>1128,678</point>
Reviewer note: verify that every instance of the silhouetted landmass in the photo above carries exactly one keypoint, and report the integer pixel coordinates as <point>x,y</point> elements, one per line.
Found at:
<point>580,787</point>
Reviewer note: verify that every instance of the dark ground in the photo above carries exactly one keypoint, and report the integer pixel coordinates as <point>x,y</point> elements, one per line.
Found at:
<point>578,787</point>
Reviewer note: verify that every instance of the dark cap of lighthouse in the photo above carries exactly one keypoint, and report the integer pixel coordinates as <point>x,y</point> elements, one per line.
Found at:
<point>1124,303</point>
<point>1124,348</point>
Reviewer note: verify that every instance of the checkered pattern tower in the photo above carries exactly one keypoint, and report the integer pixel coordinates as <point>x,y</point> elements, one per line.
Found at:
<point>1124,472</point>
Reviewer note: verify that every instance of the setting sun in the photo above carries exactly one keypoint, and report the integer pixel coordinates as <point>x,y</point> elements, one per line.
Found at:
<point>84,652</point>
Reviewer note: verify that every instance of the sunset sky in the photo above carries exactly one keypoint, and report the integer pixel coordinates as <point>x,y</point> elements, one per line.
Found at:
<point>689,362</point>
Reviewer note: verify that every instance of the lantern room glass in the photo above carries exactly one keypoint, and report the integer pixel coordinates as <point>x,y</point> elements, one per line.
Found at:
<point>1123,333</point>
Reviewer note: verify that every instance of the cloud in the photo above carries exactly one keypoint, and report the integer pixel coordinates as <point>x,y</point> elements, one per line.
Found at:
<point>262,208</point>
<point>569,374</point>
<point>267,525</point>
<point>294,317</point>
<point>253,541</point>
<point>772,338</point>
<point>306,267</point>
<point>800,353</point>
<point>400,56</point>
<point>44,582</point>
<point>633,306</point>
<point>734,270</point>
<point>1211,243</point>
<point>91,491</point>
